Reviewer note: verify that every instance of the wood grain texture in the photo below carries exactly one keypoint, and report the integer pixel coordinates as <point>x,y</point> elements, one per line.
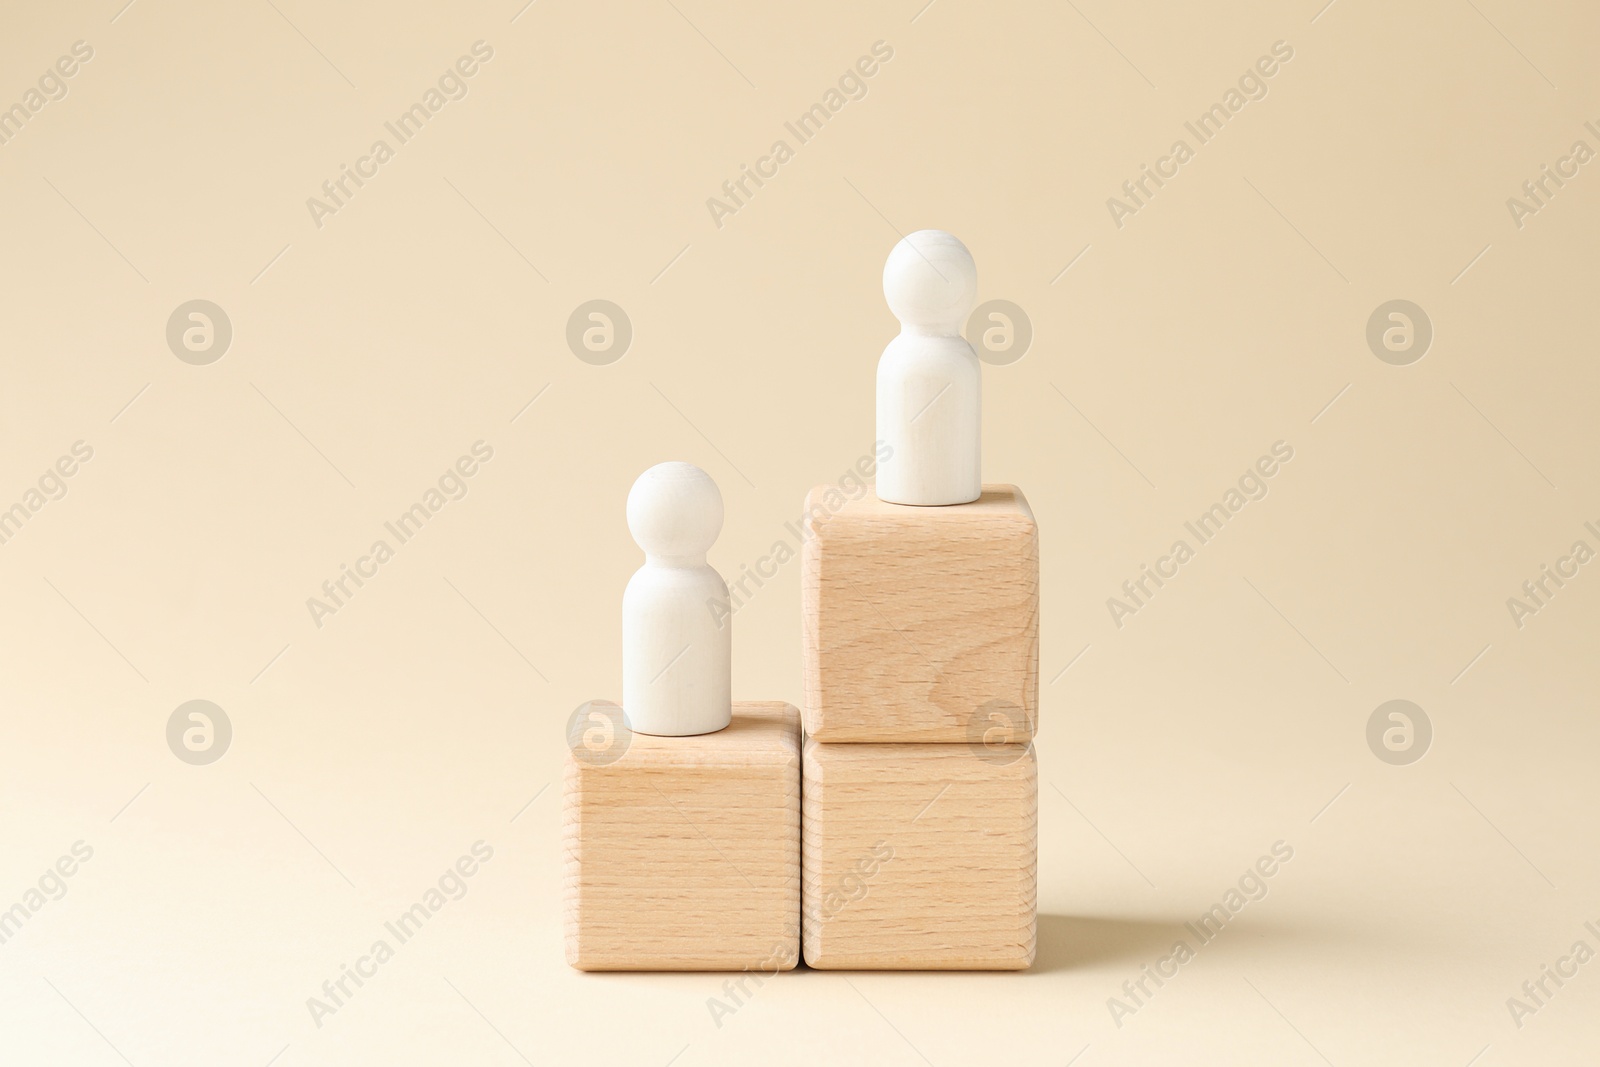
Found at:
<point>684,853</point>
<point>920,623</point>
<point>919,857</point>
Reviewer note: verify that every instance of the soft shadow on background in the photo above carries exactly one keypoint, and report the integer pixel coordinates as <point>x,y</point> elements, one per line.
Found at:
<point>1068,942</point>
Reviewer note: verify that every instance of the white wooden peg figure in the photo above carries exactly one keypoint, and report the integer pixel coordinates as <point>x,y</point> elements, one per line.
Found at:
<point>677,654</point>
<point>930,397</point>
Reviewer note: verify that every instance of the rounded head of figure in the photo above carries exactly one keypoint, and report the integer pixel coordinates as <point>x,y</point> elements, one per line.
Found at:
<point>930,282</point>
<point>675,512</point>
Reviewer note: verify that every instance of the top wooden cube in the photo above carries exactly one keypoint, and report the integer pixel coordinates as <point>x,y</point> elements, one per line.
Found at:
<point>921,623</point>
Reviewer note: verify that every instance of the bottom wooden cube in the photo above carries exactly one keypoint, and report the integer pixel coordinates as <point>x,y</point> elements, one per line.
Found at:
<point>683,853</point>
<point>919,856</point>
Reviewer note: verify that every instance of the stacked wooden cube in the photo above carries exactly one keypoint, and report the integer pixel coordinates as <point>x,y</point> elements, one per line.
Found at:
<point>683,853</point>
<point>919,823</point>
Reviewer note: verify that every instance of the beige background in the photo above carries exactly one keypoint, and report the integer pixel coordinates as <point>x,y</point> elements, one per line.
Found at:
<point>427,714</point>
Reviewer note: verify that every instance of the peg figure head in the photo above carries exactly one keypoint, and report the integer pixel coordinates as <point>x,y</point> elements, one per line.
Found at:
<point>930,283</point>
<point>675,512</point>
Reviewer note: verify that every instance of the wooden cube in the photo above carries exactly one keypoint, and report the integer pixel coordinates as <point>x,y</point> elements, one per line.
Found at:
<point>919,857</point>
<point>920,623</point>
<point>683,853</point>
